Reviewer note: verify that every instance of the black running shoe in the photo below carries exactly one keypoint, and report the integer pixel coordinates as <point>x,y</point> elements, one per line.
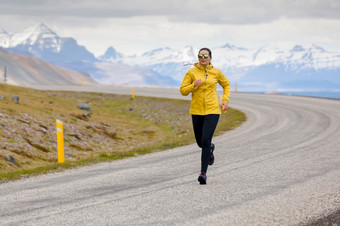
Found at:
<point>212,157</point>
<point>202,178</point>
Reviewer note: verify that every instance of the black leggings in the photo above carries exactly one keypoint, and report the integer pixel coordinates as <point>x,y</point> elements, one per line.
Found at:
<point>204,128</point>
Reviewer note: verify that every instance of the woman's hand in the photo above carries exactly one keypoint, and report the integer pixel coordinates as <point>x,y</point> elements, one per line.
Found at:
<point>224,106</point>
<point>198,82</point>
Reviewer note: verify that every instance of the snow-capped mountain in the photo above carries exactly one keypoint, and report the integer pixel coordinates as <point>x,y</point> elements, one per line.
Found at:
<point>111,55</point>
<point>41,42</point>
<point>272,67</point>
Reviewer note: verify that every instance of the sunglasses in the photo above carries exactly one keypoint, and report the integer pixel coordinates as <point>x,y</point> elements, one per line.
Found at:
<point>203,56</point>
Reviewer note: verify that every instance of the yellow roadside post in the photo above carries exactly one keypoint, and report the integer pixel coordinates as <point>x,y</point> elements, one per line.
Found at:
<point>235,87</point>
<point>60,139</point>
<point>133,93</point>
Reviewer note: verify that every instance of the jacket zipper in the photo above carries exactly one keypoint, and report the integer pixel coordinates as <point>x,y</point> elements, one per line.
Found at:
<point>205,87</point>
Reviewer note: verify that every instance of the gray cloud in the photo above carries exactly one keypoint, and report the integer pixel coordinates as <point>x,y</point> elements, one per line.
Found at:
<point>206,11</point>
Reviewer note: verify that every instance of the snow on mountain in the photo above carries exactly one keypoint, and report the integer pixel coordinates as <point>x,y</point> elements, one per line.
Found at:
<point>111,55</point>
<point>42,42</point>
<point>39,35</point>
<point>298,57</point>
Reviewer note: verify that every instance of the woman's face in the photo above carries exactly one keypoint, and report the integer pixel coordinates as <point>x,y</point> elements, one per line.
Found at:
<point>202,57</point>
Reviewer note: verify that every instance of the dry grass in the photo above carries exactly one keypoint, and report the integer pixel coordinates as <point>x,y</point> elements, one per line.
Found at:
<point>118,127</point>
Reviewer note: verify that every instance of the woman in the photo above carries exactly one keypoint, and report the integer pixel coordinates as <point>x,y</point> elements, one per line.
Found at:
<point>201,81</point>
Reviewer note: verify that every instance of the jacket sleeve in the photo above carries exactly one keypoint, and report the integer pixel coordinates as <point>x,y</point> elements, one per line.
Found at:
<point>224,82</point>
<point>187,85</point>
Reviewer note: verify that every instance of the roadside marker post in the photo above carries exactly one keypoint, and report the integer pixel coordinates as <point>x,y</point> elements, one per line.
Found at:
<point>60,139</point>
<point>133,93</point>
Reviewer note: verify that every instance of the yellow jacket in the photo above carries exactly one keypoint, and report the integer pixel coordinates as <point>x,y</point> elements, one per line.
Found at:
<point>204,100</point>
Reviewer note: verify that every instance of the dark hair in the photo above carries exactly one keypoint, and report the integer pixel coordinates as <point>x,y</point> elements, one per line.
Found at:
<point>206,50</point>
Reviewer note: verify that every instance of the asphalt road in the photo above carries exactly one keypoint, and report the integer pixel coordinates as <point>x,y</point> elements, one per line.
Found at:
<point>281,167</point>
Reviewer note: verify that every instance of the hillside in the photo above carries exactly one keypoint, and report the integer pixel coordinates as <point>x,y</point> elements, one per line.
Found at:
<point>115,127</point>
<point>28,70</point>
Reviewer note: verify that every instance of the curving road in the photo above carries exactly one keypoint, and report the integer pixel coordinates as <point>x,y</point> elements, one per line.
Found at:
<point>281,167</point>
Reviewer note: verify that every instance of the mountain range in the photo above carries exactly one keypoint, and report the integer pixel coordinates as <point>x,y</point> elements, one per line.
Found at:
<point>270,68</point>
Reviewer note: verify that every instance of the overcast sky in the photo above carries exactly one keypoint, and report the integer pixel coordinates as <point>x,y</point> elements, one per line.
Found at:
<point>136,26</point>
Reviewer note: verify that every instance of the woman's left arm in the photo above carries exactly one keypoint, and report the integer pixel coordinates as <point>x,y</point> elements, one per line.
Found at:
<point>224,82</point>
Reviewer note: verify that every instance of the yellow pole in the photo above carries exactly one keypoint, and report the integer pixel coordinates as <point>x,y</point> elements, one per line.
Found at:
<point>235,87</point>
<point>133,93</point>
<point>60,139</point>
<point>82,82</point>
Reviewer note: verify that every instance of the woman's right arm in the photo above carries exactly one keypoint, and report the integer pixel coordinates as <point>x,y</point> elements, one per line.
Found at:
<point>187,85</point>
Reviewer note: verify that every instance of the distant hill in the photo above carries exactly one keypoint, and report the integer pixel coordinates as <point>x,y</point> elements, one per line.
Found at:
<point>28,70</point>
